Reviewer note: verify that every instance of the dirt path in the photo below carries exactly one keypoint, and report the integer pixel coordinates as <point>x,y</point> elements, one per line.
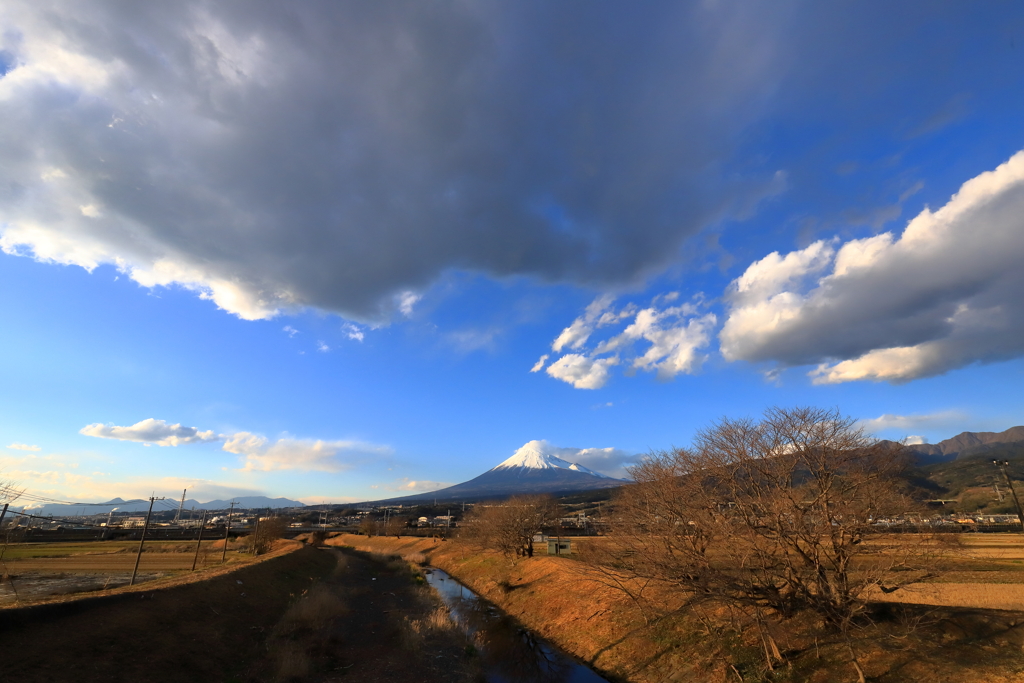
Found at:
<point>311,615</point>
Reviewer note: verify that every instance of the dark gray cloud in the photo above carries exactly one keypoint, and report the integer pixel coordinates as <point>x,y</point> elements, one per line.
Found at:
<point>339,154</point>
<point>343,154</point>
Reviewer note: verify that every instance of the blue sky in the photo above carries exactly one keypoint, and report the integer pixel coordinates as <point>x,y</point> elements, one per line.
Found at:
<point>342,251</point>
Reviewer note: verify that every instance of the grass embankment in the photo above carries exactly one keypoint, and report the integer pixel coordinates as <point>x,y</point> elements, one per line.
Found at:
<point>556,598</point>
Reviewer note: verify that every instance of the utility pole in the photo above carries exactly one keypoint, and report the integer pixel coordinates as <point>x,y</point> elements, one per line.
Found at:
<point>227,530</point>
<point>177,515</point>
<point>256,536</point>
<point>138,556</point>
<point>1002,465</point>
<point>202,524</point>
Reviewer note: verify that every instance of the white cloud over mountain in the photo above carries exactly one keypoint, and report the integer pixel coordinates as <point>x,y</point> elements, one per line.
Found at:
<point>300,454</point>
<point>944,294</point>
<point>609,461</point>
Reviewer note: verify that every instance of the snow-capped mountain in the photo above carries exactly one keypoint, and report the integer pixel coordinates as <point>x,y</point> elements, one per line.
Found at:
<point>534,457</point>
<point>534,468</point>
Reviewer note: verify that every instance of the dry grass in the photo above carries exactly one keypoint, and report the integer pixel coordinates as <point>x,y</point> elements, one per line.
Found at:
<point>304,630</point>
<point>602,626</point>
<point>281,547</point>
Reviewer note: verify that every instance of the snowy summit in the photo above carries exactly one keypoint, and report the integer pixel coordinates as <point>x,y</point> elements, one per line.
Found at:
<point>536,455</point>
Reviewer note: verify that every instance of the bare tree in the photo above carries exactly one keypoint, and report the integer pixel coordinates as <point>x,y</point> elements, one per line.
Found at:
<point>509,527</point>
<point>775,515</point>
<point>269,530</point>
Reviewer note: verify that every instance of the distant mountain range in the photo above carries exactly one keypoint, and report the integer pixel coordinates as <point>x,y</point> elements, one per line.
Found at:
<point>530,470</point>
<point>971,445</point>
<point>142,505</point>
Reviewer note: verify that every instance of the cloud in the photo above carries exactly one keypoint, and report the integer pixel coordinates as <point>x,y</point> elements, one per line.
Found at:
<point>673,336</point>
<point>406,302</point>
<point>329,500</point>
<point>906,423</point>
<point>353,332</point>
<point>942,295</point>
<point>344,156</point>
<point>582,372</point>
<point>322,347</point>
<point>539,365</point>
<point>150,431</point>
<point>415,485</point>
<point>24,447</point>
<point>576,335</point>
<point>290,331</point>
<point>300,454</point>
<point>609,461</point>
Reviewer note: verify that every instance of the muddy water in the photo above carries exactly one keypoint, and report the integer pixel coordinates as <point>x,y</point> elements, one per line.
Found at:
<point>510,653</point>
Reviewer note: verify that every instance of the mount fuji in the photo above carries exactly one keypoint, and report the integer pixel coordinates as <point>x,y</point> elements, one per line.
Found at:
<point>532,469</point>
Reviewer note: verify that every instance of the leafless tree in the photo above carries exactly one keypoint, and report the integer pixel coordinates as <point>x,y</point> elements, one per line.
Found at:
<point>269,530</point>
<point>509,527</point>
<point>776,515</point>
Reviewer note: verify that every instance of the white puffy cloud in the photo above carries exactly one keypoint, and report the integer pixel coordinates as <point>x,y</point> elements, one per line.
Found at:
<point>290,331</point>
<point>353,332</point>
<point>345,155</point>
<point>943,294</point>
<point>582,372</point>
<point>150,431</point>
<point>539,365</point>
<point>262,454</point>
<point>576,335</point>
<point>24,447</point>
<point>673,334</point>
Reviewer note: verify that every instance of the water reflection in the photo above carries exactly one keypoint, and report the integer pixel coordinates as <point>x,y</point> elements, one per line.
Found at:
<point>510,653</point>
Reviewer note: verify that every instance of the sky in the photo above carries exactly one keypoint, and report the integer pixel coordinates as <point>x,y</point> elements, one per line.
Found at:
<point>339,251</point>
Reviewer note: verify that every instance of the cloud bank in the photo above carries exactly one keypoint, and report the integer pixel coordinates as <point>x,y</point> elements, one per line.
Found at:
<point>342,155</point>
<point>944,294</point>
<point>258,452</point>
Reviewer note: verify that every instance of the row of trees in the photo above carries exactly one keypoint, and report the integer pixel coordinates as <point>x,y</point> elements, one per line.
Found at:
<point>775,515</point>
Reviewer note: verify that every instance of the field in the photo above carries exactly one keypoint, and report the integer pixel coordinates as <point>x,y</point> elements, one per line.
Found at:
<point>35,571</point>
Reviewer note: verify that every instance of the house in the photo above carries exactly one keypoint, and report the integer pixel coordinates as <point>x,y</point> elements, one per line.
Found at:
<point>559,546</point>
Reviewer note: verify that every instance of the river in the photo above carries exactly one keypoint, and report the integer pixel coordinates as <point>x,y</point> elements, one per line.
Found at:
<point>510,653</point>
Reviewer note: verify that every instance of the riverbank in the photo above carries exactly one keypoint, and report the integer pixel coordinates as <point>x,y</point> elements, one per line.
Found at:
<point>558,599</point>
<point>310,615</point>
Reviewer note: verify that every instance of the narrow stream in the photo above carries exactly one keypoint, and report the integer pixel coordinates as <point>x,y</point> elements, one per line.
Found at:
<point>510,653</point>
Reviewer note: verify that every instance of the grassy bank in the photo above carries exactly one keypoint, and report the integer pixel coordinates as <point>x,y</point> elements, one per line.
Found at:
<point>557,598</point>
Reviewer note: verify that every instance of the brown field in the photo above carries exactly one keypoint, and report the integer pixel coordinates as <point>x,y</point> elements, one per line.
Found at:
<point>35,572</point>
